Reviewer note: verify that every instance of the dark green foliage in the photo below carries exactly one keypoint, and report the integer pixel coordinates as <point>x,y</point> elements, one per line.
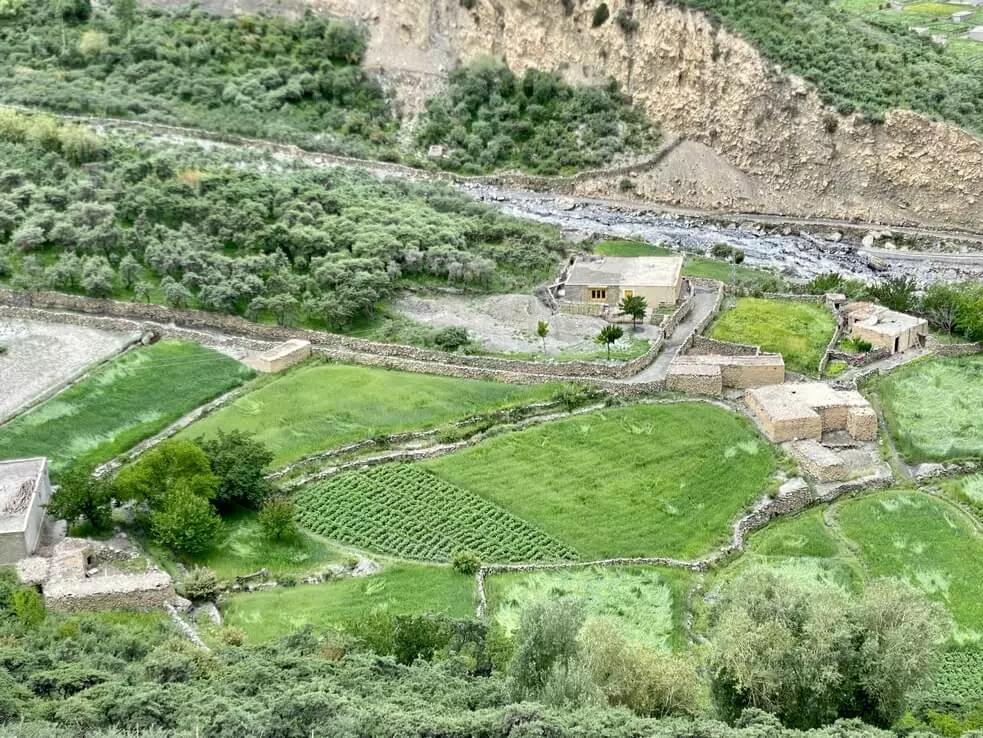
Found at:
<point>955,308</point>
<point>635,306</point>
<point>81,496</point>
<point>608,335</point>
<point>601,15</point>
<point>834,282</point>
<point>239,462</point>
<point>451,338</point>
<point>277,519</point>
<point>200,584</point>
<point>858,65</point>
<point>296,80</point>
<point>295,244</point>
<point>466,562</point>
<point>546,644</point>
<point>491,119</point>
<point>27,606</point>
<point>896,293</point>
<point>186,522</point>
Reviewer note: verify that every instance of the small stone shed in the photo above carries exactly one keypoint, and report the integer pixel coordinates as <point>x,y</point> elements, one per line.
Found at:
<point>793,412</point>
<point>709,374</point>
<point>605,280</point>
<point>24,491</point>
<point>976,34</point>
<point>80,575</point>
<point>962,16</point>
<point>282,356</point>
<point>884,328</point>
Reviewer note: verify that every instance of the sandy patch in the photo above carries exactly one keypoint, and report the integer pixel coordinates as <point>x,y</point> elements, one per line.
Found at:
<point>507,323</point>
<point>41,355</point>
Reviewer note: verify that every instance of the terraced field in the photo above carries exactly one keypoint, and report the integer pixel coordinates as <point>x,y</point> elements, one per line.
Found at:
<point>318,406</point>
<point>633,481</point>
<point>406,511</point>
<point>119,405</point>
<point>931,407</point>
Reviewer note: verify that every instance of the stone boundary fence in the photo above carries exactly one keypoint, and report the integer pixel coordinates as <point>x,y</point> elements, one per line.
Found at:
<point>954,350</point>
<point>703,345</point>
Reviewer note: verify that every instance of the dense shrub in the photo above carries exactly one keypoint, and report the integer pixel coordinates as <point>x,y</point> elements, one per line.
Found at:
<point>490,119</point>
<point>277,519</point>
<point>200,584</point>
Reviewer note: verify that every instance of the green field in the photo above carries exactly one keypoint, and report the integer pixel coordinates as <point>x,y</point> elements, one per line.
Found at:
<point>401,589</point>
<point>925,540</point>
<point>649,603</point>
<point>697,266</point>
<point>640,480</point>
<point>243,549</point>
<point>119,405</point>
<point>932,407</point>
<point>319,406</point>
<point>799,331</point>
<point>404,510</point>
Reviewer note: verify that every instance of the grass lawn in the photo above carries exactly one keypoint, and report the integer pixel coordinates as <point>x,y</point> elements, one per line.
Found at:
<point>401,589</point>
<point>318,406</point>
<point>932,407</point>
<point>925,540</point>
<point>633,481</point>
<point>119,405</point>
<point>242,549</point>
<point>804,535</point>
<point>649,603</point>
<point>799,331</point>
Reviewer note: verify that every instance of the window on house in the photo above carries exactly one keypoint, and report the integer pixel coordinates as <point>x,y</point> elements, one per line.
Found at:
<point>599,293</point>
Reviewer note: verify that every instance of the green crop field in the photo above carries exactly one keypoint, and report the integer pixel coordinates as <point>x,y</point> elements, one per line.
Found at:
<point>932,408</point>
<point>925,540</point>
<point>320,406</point>
<point>640,480</point>
<point>804,535</point>
<point>401,589</point>
<point>122,403</point>
<point>649,603</point>
<point>406,511</point>
<point>798,331</point>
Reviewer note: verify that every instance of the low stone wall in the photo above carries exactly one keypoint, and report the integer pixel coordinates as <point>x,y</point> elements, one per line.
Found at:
<point>818,462</point>
<point>694,378</point>
<point>824,361</point>
<point>703,346</point>
<point>167,322</point>
<point>953,350</point>
<point>795,297</point>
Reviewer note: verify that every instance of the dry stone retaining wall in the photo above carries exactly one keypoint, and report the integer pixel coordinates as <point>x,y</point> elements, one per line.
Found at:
<point>703,345</point>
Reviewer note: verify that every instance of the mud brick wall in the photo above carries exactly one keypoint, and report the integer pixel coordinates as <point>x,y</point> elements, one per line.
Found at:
<point>818,462</point>
<point>702,345</point>
<point>702,380</point>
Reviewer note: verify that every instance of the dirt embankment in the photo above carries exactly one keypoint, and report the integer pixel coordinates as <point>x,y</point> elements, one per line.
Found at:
<point>755,140</point>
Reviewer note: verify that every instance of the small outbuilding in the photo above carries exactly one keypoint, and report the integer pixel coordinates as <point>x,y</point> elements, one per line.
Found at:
<point>884,328</point>
<point>24,491</point>
<point>282,356</point>
<point>607,280</point>
<point>962,16</point>
<point>793,412</point>
<point>976,34</point>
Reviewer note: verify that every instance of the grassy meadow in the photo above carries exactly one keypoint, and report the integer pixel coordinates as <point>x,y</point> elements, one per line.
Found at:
<point>648,603</point>
<point>318,406</point>
<point>798,331</point>
<point>932,408</point>
<point>634,481</point>
<point>124,402</point>
<point>400,589</point>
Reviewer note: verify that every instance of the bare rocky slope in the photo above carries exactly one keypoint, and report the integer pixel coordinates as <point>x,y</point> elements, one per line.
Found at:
<point>756,140</point>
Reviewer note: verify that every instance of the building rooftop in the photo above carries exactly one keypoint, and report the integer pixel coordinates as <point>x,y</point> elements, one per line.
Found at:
<point>630,271</point>
<point>19,480</point>
<point>718,359</point>
<point>790,401</point>
<point>880,319</point>
<point>285,349</point>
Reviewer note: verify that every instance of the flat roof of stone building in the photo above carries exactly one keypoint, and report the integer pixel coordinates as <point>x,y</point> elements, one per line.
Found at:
<point>749,360</point>
<point>684,367</point>
<point>647,271</point>
<point>285,349</point>
<point>801,400</point>
<point>18,483</point>
<point>880,319</point>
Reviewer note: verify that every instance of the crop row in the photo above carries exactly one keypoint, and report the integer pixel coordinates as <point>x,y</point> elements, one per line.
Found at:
<point>959,678</point>
<point>406,511</point>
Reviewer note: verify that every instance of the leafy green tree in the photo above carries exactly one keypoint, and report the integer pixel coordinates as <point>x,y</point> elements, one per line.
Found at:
<point>185,521</point>
<point>608,335</point>
<point>125,12</point>
<point>156,475</point>
<point>546,646</point>
<point>97,276</point>
<point>635,306</point>
<point>278,519</point>
<point>465,561</point>
<point>81,496</point>
<point>129,270</point>
<point>543,330</point>
<point>143,290</point>
<point>200,584</point>
<point>896,293</point>
<point>239,463</point>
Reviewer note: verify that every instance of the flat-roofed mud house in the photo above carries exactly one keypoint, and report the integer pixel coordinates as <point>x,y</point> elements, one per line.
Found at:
<point>24,491</point>
<point>792,412</point>
<point>885,328</point>
<point>603,281</point>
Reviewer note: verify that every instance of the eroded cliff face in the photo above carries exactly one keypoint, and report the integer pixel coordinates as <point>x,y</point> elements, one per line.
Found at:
<point>756,139</point>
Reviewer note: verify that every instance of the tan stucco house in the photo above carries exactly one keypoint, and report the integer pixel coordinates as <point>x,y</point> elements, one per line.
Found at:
<point>884,328</point>
<point>606,280</point>
<point>24,491</point>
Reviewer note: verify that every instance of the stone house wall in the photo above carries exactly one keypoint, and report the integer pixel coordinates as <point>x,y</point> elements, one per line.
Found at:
<point>705,345</point>
<point>694,378</point>
<point>861,423</point>
<point>818,462</point>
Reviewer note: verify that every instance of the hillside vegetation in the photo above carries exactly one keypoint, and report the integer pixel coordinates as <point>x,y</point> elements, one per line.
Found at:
<point>858,65</point>
<point>196,228</point>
